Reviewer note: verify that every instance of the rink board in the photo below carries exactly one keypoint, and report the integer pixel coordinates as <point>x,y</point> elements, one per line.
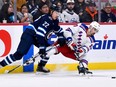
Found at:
<point>102,56</point>
<point>66,67</point>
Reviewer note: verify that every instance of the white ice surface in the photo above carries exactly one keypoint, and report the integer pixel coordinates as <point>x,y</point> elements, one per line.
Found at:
<point>59,79</point>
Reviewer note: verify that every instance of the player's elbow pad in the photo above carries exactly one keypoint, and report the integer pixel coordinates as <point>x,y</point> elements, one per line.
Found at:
<point>67,34</point>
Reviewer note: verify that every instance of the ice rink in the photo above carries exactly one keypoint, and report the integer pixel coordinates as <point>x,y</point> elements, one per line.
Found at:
<point>60,79</point>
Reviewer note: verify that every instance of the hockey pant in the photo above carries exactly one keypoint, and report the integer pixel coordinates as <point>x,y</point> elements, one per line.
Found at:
<point>67,52</point>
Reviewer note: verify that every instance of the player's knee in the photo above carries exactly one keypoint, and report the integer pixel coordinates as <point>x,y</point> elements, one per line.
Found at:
<point>18,55</point>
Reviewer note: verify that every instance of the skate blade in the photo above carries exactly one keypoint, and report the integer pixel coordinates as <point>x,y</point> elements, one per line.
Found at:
<point>89,73</point>
<point>42,73</point>
<point>86,73</point>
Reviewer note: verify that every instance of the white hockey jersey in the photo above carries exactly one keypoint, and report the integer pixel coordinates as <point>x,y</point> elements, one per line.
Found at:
<point>79,36</point>
<point>70,17</point>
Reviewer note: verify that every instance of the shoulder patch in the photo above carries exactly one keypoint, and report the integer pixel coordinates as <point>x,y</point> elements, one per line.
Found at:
<point>84,26</point>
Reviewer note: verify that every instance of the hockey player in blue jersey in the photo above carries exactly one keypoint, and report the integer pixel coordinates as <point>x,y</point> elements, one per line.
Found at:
<point>36,34</point>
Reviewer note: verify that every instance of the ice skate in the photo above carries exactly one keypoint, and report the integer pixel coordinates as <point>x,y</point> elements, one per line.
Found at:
<point>42,70</point>
<point>83,70</point>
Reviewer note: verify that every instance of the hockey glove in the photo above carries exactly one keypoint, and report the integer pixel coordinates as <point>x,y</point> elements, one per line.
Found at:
<point>80,52</point>
<point>71,44</point>
<point>42,50</point>
<point>61,41</point>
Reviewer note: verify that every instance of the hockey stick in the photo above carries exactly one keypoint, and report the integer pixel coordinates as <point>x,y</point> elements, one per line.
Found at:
<point>27,62</point>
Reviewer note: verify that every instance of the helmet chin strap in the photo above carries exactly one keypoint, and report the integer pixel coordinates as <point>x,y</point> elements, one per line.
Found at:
<point>90,27</point>
<point>88,31</point>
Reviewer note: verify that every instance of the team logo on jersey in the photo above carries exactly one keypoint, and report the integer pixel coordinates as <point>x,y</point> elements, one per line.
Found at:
<point>52,38</point>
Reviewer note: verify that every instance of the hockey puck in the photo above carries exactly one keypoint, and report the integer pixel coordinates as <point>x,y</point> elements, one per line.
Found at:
<point>113,77</point>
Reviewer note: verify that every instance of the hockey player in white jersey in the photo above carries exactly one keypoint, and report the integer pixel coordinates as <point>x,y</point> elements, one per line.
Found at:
<point>79,40</point>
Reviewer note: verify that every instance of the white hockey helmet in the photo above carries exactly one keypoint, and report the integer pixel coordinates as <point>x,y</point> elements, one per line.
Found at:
<point>95,25</point>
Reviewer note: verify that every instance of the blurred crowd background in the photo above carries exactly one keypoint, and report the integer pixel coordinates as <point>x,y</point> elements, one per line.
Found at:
<point>70,11</point>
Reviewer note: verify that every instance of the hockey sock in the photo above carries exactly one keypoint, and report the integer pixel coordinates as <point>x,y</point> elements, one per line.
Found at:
<point>8,60</point>
<point>43,61</point>
<point>83,63</point>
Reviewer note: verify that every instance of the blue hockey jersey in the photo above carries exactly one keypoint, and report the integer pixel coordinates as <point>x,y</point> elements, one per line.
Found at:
<point>43,26</point>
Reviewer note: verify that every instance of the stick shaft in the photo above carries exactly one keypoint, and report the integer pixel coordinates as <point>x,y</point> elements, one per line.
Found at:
<point>32,58</point>
<point>14,69</point>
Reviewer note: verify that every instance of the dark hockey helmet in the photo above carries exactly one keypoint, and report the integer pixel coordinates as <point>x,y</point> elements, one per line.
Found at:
<point>54,8</point>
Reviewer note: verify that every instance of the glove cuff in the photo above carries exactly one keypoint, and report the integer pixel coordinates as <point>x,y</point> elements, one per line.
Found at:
<point>69,40</point>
